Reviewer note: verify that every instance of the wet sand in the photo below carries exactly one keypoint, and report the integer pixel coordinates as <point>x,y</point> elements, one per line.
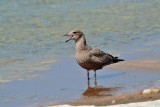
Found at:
<point>138,65</point>
<point>114,100</point>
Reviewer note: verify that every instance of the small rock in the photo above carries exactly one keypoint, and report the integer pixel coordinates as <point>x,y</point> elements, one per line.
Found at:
<point>149,91</point>
<point>113,101</point>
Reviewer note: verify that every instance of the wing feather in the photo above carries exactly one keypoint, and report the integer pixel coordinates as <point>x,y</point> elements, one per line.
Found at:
<point>101,57</point>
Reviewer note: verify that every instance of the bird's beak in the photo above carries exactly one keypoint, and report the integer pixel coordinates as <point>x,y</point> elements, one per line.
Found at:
<point>69,38</point>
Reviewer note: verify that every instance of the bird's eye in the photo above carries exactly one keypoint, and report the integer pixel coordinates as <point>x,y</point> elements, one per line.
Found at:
<point>74,32</point>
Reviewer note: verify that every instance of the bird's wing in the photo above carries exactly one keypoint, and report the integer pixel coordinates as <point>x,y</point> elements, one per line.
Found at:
<point>99,56</point>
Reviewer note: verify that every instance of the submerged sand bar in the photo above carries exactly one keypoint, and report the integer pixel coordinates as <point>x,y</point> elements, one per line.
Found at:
<point>138,65</point>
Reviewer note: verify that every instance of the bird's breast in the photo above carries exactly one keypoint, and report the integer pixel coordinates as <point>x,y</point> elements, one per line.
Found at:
<point>82,57</point>
<point>84,60</point>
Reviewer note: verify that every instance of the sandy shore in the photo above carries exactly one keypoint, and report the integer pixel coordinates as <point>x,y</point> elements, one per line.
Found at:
<point>114,100</point>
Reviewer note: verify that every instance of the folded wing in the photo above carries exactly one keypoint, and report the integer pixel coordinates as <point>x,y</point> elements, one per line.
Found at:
<point>101,57</point>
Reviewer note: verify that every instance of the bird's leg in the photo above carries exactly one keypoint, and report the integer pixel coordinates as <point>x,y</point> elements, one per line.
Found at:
<point>95,74</point>
<point>95,78</point>
<point>88,83</point>
<point>88,74</point>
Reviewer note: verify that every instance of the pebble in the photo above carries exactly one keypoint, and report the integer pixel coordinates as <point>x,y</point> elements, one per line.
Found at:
<point>113,101</point>
<point>149,91</point>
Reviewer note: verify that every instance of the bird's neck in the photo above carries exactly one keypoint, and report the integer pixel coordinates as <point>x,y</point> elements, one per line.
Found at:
<point>81,44</point>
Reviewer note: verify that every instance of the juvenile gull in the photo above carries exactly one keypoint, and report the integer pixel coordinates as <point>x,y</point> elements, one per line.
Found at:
<point>87,57</point>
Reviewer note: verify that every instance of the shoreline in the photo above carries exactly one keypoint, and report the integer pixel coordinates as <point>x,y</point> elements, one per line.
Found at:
<point>116,100</point>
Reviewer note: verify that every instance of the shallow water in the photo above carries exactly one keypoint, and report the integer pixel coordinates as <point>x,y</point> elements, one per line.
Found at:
<point>69,83</point>
<point>31,35</point>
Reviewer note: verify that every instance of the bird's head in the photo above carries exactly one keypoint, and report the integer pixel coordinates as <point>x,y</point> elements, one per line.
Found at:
<point>74,35</point>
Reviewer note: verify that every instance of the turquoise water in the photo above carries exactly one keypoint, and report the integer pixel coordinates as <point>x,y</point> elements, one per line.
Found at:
<point>31,31</point>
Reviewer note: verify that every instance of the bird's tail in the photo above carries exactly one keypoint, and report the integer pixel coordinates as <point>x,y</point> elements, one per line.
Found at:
<point>116,59</point>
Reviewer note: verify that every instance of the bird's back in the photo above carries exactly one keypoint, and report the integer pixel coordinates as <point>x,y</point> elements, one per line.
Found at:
<point>93,59</point>
<point>101,58</point>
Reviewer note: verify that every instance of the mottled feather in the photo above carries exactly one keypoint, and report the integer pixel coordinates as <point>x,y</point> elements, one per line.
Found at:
<point>101,57</point>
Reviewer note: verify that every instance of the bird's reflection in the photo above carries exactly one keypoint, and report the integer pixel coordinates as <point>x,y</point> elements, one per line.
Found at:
<point>98,90</point>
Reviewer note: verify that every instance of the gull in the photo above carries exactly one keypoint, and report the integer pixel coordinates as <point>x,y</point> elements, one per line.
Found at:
<point>88,57</point>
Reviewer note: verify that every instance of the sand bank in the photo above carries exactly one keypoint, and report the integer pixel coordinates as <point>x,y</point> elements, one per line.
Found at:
<point>137,65</point>
<point>127,100</point>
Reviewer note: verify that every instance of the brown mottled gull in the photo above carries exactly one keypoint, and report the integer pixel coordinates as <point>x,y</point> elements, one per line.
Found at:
<point>87,57</point>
